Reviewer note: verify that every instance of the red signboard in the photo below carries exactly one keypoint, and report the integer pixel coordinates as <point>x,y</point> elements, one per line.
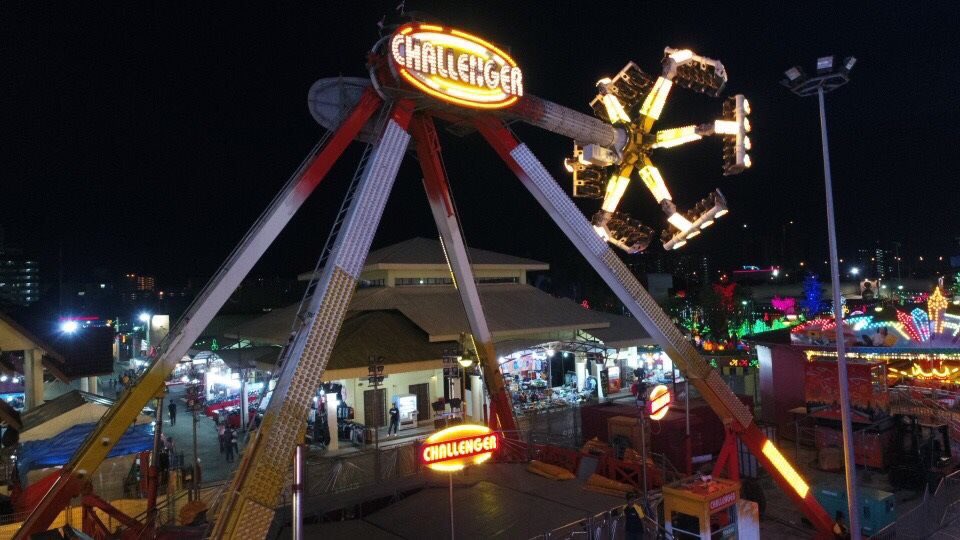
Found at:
<point>659,402</point>
<point>456,447</point>
<point>868,396</point>
<point>723,501</point>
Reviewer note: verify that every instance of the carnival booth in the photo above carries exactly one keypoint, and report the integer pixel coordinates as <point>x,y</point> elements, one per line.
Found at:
<point>697,508</point>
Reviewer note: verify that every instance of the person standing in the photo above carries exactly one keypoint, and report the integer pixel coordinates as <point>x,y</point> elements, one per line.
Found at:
<point>633,516</point>
<point>172,409</point>
<point>394,420</point>
<point>221,434</point>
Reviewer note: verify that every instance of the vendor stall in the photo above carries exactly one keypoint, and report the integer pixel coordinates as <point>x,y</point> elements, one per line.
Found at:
<point>698,509</point>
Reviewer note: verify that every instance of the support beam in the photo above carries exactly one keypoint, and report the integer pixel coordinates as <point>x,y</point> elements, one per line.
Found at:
<point>260,236</point>
<point>250,501</point>
<point>33,378</point>
<point>654,320</point>
<point>451,237</point>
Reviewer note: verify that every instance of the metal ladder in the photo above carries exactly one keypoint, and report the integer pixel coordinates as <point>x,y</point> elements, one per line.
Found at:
<point>299,322</point>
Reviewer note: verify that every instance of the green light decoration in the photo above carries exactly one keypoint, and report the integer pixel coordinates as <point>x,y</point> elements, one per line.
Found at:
<point>214,346</point>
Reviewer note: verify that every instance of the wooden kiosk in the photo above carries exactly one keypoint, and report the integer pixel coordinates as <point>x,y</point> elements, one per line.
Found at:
<point>694,508</point>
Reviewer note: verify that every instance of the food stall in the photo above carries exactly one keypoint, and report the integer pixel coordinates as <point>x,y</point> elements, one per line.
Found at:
<point>696,508</point>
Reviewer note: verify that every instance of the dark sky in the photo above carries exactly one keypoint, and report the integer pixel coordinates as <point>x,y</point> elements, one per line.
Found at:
<point>148,137</point>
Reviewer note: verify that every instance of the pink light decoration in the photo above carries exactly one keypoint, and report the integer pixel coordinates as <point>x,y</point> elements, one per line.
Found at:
<point>787,305</point>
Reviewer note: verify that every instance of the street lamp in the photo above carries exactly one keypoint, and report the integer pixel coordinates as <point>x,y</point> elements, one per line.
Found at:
<point>69,327</point>
<point>466,362</point>
<point>830,76</point>
<point>145,319</point>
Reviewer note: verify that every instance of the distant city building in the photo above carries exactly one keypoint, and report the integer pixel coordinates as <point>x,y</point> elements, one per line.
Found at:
<point>19,278</point>
<point>135,287</point>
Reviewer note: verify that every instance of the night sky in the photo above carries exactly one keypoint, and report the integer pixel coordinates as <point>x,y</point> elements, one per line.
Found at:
<point>148,138</point>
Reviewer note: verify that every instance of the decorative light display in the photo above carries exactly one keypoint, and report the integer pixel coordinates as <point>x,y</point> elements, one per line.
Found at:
<point>951,322</point>
<point>922,323</point>
<point>939,373</point>
<point>936,306</point>
<point>909,325</point>
<point>858,323</point>
<point>634,101</point>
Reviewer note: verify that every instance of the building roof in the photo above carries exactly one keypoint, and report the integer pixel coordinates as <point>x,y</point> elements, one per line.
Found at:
<point>398,340</point>
<point>427,253</point>
<point>511,310</point>
<point>623,332</point>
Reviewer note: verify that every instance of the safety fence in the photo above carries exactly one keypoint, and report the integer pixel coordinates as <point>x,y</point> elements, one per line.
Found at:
<point>940,507</point>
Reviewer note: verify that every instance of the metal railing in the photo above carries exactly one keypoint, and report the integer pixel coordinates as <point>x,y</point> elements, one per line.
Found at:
<point>940,507</point>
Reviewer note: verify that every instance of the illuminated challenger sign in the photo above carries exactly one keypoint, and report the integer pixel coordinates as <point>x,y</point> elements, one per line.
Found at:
<point>456,447</point>
<point>659,402</point>
<point>455,66</point>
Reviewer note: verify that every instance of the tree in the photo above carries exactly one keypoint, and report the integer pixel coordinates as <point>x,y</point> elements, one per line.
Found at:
<point>812,296</point>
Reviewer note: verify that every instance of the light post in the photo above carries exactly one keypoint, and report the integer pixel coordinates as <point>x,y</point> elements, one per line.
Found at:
<point>831,76</point>
<point>466,362</point>
<point>145,319</point>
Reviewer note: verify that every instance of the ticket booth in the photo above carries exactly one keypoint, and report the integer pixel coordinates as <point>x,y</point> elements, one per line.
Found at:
<point>707,510</point>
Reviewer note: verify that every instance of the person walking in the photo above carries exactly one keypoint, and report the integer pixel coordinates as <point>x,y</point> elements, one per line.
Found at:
<point>394,421</point>
<point>172,408</point>
<point>228,444</point>
<point>234,443</point>
<point>221,433</point>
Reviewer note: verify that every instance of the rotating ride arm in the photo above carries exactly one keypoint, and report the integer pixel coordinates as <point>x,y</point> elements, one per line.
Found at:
<point>116,421</point>
<point>658,324</point>
<point>250,501</point>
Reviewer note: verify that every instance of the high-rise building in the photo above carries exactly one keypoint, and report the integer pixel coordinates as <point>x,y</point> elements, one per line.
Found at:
<point>19,278</point>
<point>136,287</point>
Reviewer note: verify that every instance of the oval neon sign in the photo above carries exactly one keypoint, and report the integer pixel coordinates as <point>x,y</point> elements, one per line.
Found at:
<point>455,66</point>
<point>456,447</point>
<point>659,402</point>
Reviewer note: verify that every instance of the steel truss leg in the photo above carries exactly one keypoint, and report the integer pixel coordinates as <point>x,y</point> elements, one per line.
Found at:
<point>445,215</point>
<point>116,421</point>
<point>249,503</point>
<point>624,284</point>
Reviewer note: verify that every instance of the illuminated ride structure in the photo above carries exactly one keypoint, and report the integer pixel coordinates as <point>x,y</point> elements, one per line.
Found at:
<point>419,74</point>
<point>633,101</point>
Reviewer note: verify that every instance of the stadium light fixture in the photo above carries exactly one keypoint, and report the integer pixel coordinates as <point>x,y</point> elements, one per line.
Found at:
<point>830,77</point>
<point>69,327</point>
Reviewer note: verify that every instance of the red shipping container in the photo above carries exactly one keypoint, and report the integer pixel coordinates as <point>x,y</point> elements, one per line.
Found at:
<point>667,435</point>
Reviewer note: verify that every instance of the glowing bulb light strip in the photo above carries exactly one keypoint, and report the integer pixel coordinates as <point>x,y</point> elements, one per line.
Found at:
<point>654,182</point>
<point>680,222</point>
<point>668,138</point>
<point>726,127</point>
<point>789,473</point>
<point>615,110</point>
<point>936,305</point>
<point>615,190</point>
<point>653,105</point>
<point>922,323</point>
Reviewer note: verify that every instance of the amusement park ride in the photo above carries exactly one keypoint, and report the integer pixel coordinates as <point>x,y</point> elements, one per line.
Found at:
<point>418,74</point>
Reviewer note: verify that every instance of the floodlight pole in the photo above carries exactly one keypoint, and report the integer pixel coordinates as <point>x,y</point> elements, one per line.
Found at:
<point>849,463</point>
<point>802,86</point>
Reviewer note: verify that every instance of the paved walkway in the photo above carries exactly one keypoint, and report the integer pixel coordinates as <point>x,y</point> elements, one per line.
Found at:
<point>213,465</point>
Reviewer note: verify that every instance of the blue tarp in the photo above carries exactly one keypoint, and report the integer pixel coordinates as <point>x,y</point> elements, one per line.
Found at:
<point>58,449</point>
